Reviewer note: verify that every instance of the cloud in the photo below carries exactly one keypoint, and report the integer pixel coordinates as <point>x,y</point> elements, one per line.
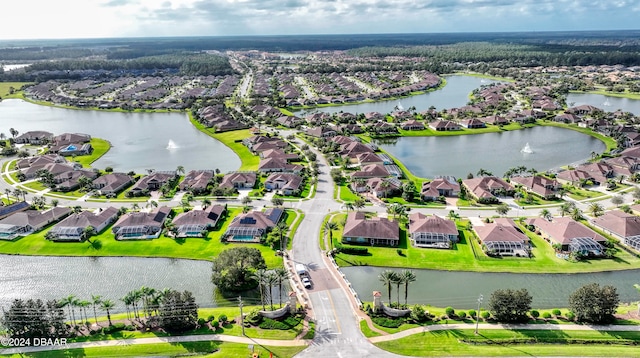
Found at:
<point>117,3</point>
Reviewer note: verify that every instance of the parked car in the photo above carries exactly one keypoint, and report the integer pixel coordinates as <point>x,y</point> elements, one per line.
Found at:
<point>306,282</point>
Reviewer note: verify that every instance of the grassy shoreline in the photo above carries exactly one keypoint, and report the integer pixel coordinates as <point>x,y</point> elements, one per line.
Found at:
<point>629,95</point>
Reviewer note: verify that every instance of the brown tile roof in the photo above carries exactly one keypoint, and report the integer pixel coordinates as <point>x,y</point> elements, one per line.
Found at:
<point>502,229</point>
<point>418,222</point>
<point>563,229</point>
<point>377,228</point>
<point>620,223</point>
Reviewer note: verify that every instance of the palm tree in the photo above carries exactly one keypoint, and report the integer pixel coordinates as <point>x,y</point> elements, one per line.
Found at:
<point>407,276</point>
<point>83,309</point>
<point>482,173</point>
<point>180,170</point>
<point>282,275</point>
<point>95,300</point>
<point>261,276</point>
<point>596,209</point>
<point>127,303</point>
<point>206,202</point>
<point>397,280</point>
<point>70,302</point>
<point>565,209</point>
<point>107,305</point>
<point>281,230</point>
<point>328,227</point>
<point>576,214</point>
<point>8,192</point>
<point>453,215</point>
<point>348,205</point>
<point>359,203</point>
<point>544,213</point>
<point>388,278</point>
<point>271,280</point>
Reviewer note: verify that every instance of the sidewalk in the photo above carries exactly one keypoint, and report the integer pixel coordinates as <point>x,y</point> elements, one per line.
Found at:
<point>486,326</point>
<point>177,339</point>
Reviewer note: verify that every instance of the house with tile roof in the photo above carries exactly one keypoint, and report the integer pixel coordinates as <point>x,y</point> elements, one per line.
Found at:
<point>569,235</point>
<point>502,237</point>
<point>141,225</point>
<point>26,222</point>
<point>194,223</point>
<point>432,231</point>
<point>621,225</point>
<point>374,231</point>
<point>73,226</point>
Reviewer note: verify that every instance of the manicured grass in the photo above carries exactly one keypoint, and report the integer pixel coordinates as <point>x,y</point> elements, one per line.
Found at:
<point>364,327</point>
<point>34,186</point>
<point>450,343</point>
<point>626,94</point>
<point>482,75</point>
<point>190,248</point>
<point>199,349</point>
<point>346,194</point>
<point>233,140</point>
<point>100,147</point>
<point>4,89</point>
<point>467,255</point>
<point>576,193</point>
<point>428,132</point>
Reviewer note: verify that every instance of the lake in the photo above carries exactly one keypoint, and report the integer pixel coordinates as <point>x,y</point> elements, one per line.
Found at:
<point>605,103</point>
<point>455,94</point>
<point>140,141</point>
<point>461,289</point>
<point>496,152</point>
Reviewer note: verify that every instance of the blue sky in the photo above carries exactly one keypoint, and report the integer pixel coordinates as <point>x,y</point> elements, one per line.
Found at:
<point>33,19</point>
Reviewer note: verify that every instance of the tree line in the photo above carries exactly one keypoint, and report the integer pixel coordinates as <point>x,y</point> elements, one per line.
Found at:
<point>30,318</point>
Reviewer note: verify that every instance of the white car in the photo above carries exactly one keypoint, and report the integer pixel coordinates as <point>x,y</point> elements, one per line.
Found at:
<point>306,282</point>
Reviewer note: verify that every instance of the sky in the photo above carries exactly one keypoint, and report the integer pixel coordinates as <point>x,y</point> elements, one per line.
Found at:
<point>44,19</point>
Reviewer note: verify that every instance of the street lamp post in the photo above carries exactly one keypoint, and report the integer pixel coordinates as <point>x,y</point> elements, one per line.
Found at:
<point>478,313</point>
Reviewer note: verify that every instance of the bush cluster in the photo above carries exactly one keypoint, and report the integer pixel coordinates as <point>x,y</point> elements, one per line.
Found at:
<point>388,322</point>
<point>352,250</point>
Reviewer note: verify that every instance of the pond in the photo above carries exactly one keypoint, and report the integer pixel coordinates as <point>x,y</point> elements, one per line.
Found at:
<point>551,147</point>
<point>606,103</point>
<point>454,94</point>
<point>140,141</point>
<point>462,289</point>
<point>111,277</point>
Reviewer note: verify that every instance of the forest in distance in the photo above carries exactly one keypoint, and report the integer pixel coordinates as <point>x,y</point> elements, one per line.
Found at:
<point>198,56</point>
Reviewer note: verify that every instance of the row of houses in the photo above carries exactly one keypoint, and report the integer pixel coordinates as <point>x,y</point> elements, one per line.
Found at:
<point>500,237</point>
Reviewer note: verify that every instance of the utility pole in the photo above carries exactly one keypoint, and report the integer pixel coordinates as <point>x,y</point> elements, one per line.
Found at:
<point>477,313</point>
<point>241,316</point>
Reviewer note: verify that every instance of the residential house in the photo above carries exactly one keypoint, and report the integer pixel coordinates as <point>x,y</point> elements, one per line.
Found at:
<point>446,186</point>
<point>111,184</point>
<point>197,181</point>
<point>7,210</point>
<point>495,120</point>
<point>486,189</point>
<point>542,186</point>
<point>321,132</point>
<point>444,125</point>
<point>152,182</point>
<point>141,225</point>
<point>624,226</point>
<point>239,180</point>
<point>278,165</point>
<point>26,222</point>
<point>70,180</point>
<point>73,227</point>
<point>352,149</point>
<point>412,125</point>
<point>432,231</point>
<point>53,168</point>
<point>194,223</point>
<point>368,158</point>
<point>597,173</point>
<point>504,238</point>
<point>34,137</point>
<point>371,171</point>
<point>252,226</point>
<point>287,183</point>
<point>289,121</point>
<point>39,161</point>
<point>623,165</point>
<point>375,231</point>
<point>569,235</point>
<point>472,123</point>
<point>379,187</point>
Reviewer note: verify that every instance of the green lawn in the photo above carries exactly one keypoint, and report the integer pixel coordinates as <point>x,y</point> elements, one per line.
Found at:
<point>100,147</point>
<point>608,141</point>
<point>190,248</point>
<point>346,194</point>
<point>499,343</point>
<point>576,193</point>
<point>467,255</point>
<point>428,132</point>
<point>4,89</point>
<point>625,94</point>
<point>233,140</point>
<point>191,349</point>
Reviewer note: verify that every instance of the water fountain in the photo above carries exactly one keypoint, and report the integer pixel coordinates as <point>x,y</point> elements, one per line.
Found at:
<point>526,149</point>
<point>172,145</point>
